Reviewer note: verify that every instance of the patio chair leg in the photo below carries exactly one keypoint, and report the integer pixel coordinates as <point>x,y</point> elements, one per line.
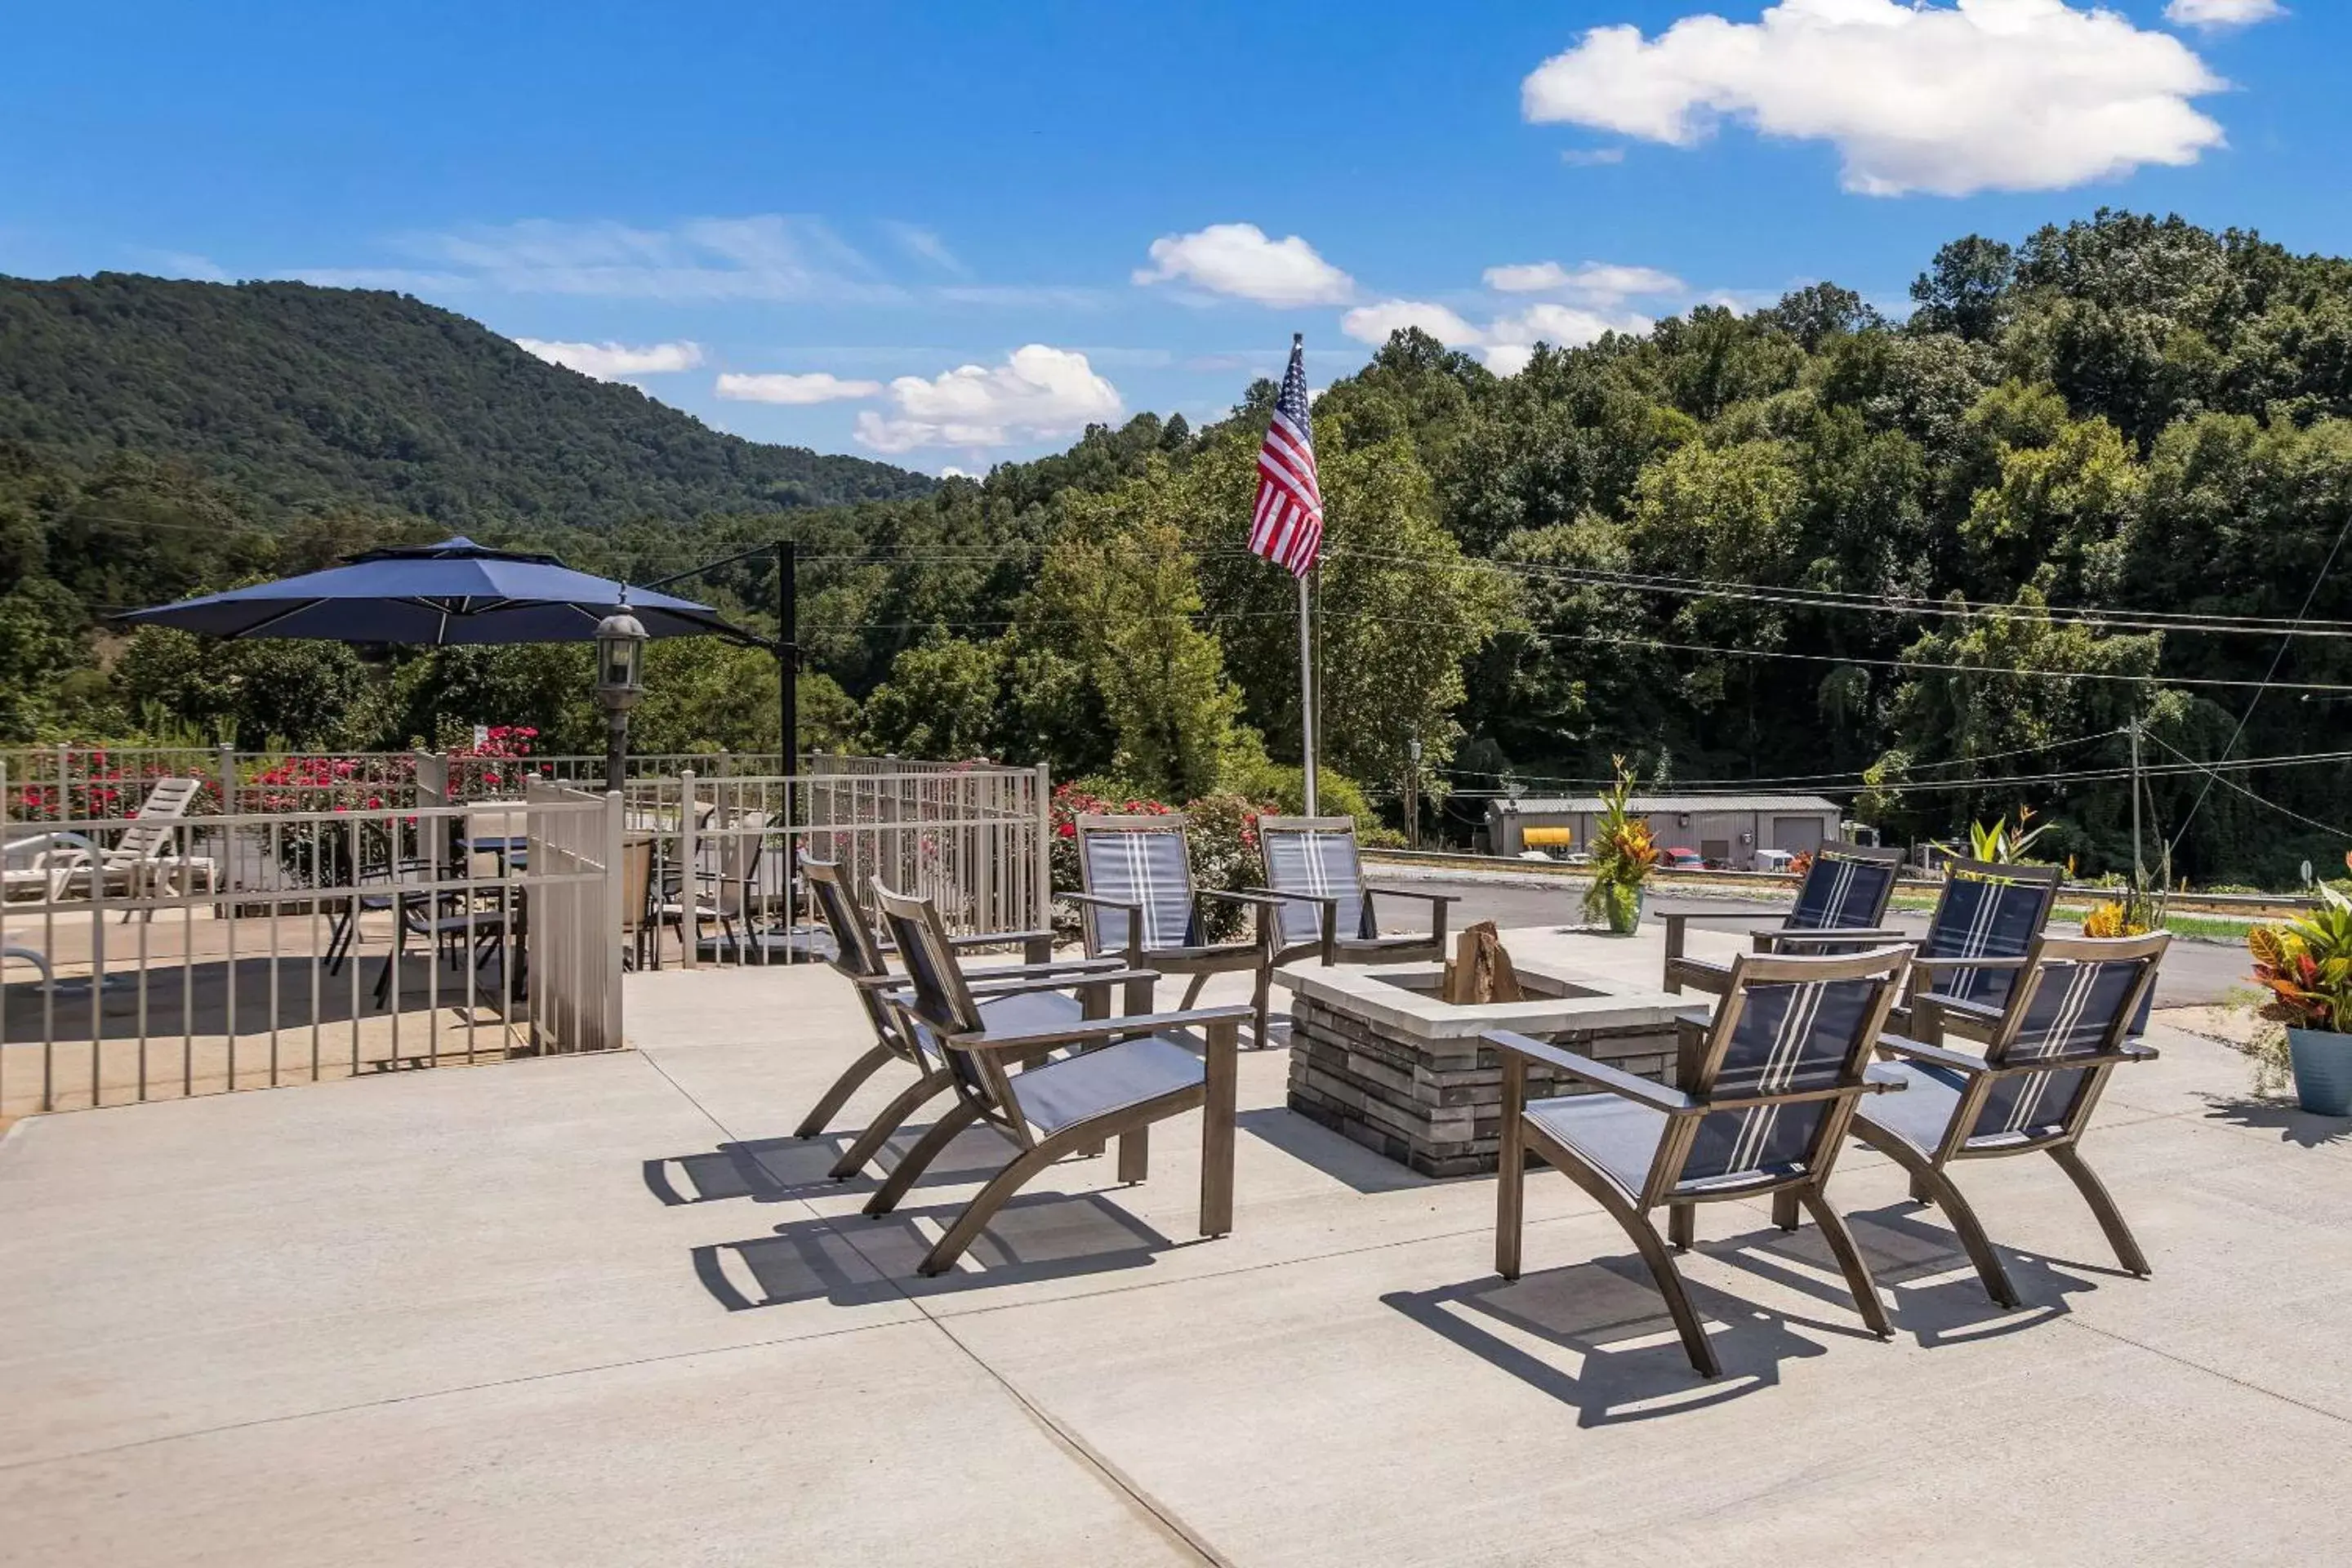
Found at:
<point>918,1158</point>
<point>1217,1133</point>
<point>1922,1190</point>
<point>1850,1259</point>
<point>1682,1226</point>
<point>1941,1192</point>
<point>1784,1208</point>
<point>1645,1238</point>
<point>1192,991</point>
<point>847,1084</point>
<point>2111,1220</point>
<point>1260,999</point>
<point>983,1207</point>
<point>866,1145</point>
<point>1135,1155</point>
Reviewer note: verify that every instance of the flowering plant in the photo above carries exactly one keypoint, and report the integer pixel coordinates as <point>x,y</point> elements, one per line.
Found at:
<point>1624,856</point>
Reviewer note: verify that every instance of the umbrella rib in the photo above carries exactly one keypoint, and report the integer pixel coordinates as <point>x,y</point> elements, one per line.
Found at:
<point>261,626</point>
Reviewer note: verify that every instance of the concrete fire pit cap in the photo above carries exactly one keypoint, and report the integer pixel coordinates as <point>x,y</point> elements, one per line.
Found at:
<point>1405,998</point>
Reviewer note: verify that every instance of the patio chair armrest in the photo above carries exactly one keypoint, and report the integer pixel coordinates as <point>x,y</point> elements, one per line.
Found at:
<point>1250,899</point>
<point>1932,1056</point>
<point>1600,1075</point>
<point>1025,938</point>
<point>989,990</point>
<point>1774,940</point>
<point>1057,966</point>
<point>1937,965</point>
<point>1958,1006</point>
<point>2139,1051</point>
<point>1039,976</point>
<point>1100,902</point>
<point>1880,1078</point>
<point>1080,1031</point>
<point>1386,891</point>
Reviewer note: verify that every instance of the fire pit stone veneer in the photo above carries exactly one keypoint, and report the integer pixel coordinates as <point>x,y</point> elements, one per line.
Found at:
<point>1376,1056</point>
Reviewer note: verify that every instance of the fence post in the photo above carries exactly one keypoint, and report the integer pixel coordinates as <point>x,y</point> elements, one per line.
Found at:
<point>1043,896</point>
<point>64,786</point>
<point>608,929</point>
<point>685,860</point>
<point>227,779</point>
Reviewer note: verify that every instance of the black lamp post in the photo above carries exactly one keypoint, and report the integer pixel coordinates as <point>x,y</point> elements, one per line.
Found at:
<point>620,681</point>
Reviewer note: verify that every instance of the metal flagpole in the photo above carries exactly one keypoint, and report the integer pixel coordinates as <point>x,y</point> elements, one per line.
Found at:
<point>1306,693</point>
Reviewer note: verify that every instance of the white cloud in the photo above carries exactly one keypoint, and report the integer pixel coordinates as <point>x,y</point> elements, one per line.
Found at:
<point>1511,340</point>
<point>952,472</point>
<point>611,362</point>
<point>1978,95</point>
<point>1237,258</point>
<point>1599,282</point>
<point>768,257</point>
<point>925,245</point>
<point>1508,341</point>
<point>1373,323</point>
<point>817,386</point>
<point>1592,157</point>
<point>2221,13</point>
<point>1038,393</point>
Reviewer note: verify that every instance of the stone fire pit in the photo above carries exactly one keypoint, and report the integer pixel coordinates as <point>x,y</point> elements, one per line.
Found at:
<point>1376,1056</point>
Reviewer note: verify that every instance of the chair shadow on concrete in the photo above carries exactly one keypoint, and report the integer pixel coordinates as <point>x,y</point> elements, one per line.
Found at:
<point>853,1259</point>
<point>2294,1126</point>
<point>1938,1299</point>
<point>779,1170</point>
<point>1629,1363</point>
<point>1337,1156</point>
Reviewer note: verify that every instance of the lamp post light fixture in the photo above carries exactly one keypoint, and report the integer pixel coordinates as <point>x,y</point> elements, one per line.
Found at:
<point>620,681</point>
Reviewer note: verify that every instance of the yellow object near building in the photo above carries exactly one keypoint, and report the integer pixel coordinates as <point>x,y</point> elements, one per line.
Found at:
<point>1549,838</point>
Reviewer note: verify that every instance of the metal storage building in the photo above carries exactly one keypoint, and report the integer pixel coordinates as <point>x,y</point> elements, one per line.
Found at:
<point>1724,828</point>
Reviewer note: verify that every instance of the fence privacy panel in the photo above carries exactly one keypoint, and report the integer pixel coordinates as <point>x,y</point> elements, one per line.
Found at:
<point>141,964</point>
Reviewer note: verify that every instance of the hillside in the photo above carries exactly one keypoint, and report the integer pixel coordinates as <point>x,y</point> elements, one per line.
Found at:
<point>297,396</point>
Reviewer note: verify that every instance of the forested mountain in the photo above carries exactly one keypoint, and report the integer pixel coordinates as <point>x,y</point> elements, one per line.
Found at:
<point>1931,567</point>
<point>301,397</point>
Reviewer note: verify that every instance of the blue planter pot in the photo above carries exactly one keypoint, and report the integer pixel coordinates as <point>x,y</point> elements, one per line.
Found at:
<point>2322,1071</point>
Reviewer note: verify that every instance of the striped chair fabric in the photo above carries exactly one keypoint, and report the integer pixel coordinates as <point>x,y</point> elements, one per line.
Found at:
<point>1841,893</point>
<point>940,993</point>
<point>2073,1010</point>
<point>1788,1039</point>
<point>1985,920</point>
<point>1148,869</point>
<point>1319,864</point>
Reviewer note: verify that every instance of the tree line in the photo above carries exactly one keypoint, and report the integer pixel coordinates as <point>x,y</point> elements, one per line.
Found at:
<point>1901,562</point>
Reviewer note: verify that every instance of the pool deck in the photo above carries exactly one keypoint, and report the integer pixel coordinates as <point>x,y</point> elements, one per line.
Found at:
<point>606,1310</point>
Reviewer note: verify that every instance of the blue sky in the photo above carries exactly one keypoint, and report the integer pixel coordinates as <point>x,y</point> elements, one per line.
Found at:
<point>950,235</point>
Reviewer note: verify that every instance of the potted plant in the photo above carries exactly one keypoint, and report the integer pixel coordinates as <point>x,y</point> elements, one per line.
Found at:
<point>1624,856</point>
<point>2306,968</point>
<point>2140,910</point>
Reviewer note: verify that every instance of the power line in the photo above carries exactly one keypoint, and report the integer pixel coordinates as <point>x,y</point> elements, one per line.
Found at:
<point>2095,616</point>
<point>2309,598</point>
<point>2213,776</point>
<point>2018,781</point>
<point>1826,781</point>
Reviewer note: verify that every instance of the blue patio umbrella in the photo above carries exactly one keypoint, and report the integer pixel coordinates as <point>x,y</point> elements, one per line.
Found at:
<point>435,595</point>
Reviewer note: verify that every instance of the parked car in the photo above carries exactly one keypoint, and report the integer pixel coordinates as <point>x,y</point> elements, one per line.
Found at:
<point>1678,859</point>
<point>1773,859</point>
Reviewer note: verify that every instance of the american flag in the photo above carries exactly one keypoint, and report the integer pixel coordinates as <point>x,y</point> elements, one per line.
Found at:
<point>1287,523</point>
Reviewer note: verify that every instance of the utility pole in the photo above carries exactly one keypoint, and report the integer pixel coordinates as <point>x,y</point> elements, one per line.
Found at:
<point>1412,796</point>
<point>788,654</point>
<point>2139,867</point>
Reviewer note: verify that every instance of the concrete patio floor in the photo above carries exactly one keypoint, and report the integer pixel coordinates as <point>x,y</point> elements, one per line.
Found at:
<point>606,1309</point>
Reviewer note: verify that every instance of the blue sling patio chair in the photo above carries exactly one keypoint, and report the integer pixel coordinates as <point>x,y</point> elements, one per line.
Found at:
<point>1984,922</point>
<point>1013,996</point>
<point>1326,905</point>
<point>1772,1080</point>
<point>2060,1030</point>
<point>1841,906</point>
<point>1139,904</point>
<point>1120,1075</point>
